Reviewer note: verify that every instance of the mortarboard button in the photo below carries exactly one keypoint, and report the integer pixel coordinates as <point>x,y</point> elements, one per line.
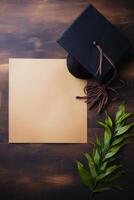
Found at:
<point>94,43</point>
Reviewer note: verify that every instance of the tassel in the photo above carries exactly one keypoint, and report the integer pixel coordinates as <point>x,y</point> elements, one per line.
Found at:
<point>100,95</point>
<point>97,94</point>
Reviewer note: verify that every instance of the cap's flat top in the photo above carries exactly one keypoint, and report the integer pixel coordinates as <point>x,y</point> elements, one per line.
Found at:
<point>88,27</point>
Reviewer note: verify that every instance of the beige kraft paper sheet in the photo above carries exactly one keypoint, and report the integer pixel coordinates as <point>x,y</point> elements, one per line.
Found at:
<point>42,103</point>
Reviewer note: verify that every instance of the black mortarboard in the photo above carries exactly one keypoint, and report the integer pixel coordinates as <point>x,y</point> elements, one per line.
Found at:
<point>94,48</point>
<point>90,30</point>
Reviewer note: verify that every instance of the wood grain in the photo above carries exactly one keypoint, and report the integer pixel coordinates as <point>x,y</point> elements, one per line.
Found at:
<point>29,29</point>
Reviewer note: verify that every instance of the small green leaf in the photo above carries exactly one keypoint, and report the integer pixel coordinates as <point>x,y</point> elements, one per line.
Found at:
<point>114,150</point>
<point>96,156</point>
<point>128,135</point>
<point>98,142</point>
<point>108,171</point>
<point>114,176</point>
<point>91,165</point>
<point>121,138</point>
<point>101,189</point>
<point>124,129</point>
<point>112,159</point>
<point>84,175</point>
<point>124,116</point>
<point>117,141</point>
<point>120,112</point>
<point>103,166</point>
<point>102,124</point>
<point>118,187</point>
<point>107,138</point>
<point>108,120</point>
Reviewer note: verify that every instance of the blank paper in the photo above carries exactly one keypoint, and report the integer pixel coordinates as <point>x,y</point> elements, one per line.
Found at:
<point>42,103</point>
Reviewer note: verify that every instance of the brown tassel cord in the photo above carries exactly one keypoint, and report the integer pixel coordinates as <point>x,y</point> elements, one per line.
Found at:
<point>97,94</point>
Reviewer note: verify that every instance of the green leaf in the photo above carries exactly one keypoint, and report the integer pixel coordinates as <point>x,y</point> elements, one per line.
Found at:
<point>118,187</point>
<point>100,146</point>
<point>117,141</point>
<point>91,165</point>
<point>111,160</point>
<point>107,138</point>
<point>114,150</point>
<point>96,156</point>
<point>85,175</point>
<point>124,116</point>
<point>121,139</point>
<point>98,142</point>
<point>107,162</point>
<point>128,135</point>
<point>101,189</point>
<point>120,112</point>
<point>108,120</point>
<point>124,129</point>
<point>103,166</point>
<point>114,186</point>
<point>108,171</point>
<point>102,124</point>
<point>113,176</point>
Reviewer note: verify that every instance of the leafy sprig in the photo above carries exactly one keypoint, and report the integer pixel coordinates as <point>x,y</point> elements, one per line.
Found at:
<point>101,173</point>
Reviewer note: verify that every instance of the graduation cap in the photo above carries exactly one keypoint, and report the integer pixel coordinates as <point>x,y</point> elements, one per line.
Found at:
<point>94,48</point>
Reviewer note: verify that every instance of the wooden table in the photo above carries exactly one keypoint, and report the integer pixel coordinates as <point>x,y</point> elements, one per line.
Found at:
<point>28,29</point>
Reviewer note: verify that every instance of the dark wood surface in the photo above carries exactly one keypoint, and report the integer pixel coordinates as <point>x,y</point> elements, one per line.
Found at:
<point>28,29</point>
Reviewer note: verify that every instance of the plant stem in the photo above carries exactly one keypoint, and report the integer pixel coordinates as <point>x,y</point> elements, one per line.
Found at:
<point>92,196</point>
